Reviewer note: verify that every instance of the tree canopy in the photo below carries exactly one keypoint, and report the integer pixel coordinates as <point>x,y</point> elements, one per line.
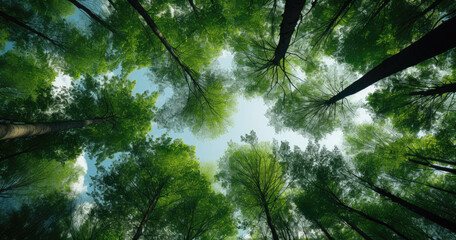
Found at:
<point>380,73</point>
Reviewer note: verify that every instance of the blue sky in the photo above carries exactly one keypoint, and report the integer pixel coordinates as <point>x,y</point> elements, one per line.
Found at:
<point>250,115</point>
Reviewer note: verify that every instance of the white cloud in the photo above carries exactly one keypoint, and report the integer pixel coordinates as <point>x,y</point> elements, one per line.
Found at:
<point>78,187</point>
<point>81,213</point>
<point>62,81</point>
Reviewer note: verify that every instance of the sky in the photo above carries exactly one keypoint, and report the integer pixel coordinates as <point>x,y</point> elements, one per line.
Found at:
<point>250,115</point>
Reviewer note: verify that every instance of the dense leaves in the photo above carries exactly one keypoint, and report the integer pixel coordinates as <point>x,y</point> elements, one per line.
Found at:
<point>66,96</point>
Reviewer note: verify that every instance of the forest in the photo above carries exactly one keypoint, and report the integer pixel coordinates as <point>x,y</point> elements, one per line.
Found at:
<point>318,65</point>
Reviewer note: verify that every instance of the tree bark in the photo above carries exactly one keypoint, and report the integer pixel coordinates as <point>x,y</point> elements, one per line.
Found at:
<point>450,170</point>
<point>93,15</point>
<point>25,26</point>
<point>149,210</point>
<point>437,41</point>
<point>372,219</point>
<point>290,16</point>
<point>192,4</point>
<point>137,6</point>
<point>414,208</point>
<point>10,131</point>
<point>427,185</point>
<point>440,90</point>
<point>356,228</point>
<point>275,236</point>
<point>323,229</point>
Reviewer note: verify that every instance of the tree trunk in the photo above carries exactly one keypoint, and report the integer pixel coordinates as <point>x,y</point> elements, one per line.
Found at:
<point>450,170</point>
<point>290,16</point>
<point>428,185</point>
<point>137,6</point>
<point>359,231</point>
<point>372,219</point>
<point>10,131</point>
<point>149,210</point>
<point>323,229</point>
<point>414,208</point>
<point>25,26</point>
<point>192,4</point>
<point>432,159</point>
<point>437,41</point>
<point>447,88</point>
<point>275,236</point>
<point>93,15</point>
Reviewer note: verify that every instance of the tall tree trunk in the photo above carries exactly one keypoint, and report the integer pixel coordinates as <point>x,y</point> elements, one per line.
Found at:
<point>291,14</point>
<point>25,26</point>
<point>372,219</point>
<point>323,229</point>
<point>437,41</point>
<point>149,210</point>
<point>425,158</point>
<point>192,4</point>
<point>137,6</point>
<point>450,170</point>
<point>93,15</point>
<point>440,90</point>
<point>357,229</point>
<point>414,208</point>
<point>10,131</point>
<point>428,185</point>
<point>275,236</point>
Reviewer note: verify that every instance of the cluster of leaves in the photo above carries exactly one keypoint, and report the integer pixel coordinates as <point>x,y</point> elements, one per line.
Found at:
<point>286,193</point>
<point>154,188</point>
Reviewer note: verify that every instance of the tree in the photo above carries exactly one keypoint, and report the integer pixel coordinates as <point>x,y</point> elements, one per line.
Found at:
<point>202,214</point>
<point>43,218</point>
<point>253,178</point>
<point>437,41</point>
<point>106,101</point>
<point>155,177</point>
<point>414,102</point>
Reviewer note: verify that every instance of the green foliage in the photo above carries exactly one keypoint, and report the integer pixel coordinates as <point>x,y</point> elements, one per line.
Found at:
<point>305,110</point>
<point>25,72</point>
<point>162,175</point>
<point>412,102</point>
<point>207,111</point>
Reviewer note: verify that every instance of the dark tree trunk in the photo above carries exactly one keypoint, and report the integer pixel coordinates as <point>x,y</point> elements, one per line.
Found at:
<point>323,229</point>
<point>192,4</point>
<point>290,16</point>
<point>450,170</point>
<point>440,90</point>
<point>414,208</point>
<point>149,210</point>
<point>437,41</point>
<point>137,6</point>
<point>372,219</point>
<point>93,15</point>
<point>357,229</point>
<point>275,236</point>
<point>428,185</point>
<point>10,131</point>
<point>25,26</point>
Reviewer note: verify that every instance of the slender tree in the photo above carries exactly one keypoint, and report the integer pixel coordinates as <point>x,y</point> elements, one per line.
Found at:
<point>254,179</point>
<point>437,41</point>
